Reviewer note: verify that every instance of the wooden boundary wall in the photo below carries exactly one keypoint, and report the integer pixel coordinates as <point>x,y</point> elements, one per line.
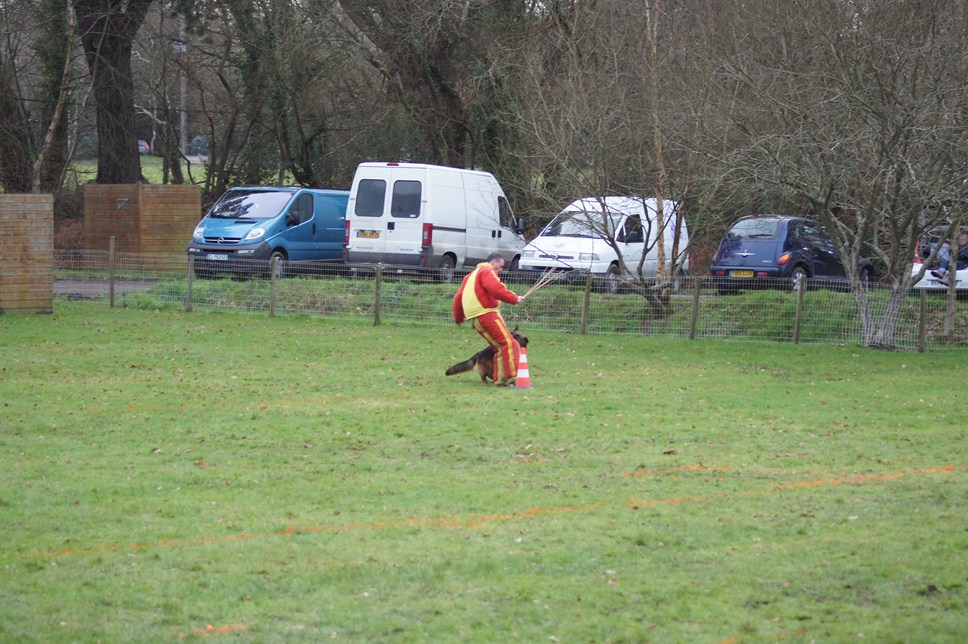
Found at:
<point>27,253</point>
<point>142,218</point>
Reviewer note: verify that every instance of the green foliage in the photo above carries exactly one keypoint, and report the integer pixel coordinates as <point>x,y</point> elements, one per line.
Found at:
<point>171,475</point>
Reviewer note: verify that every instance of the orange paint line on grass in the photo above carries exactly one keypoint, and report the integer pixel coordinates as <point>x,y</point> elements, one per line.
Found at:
<point>477,522</point>
<point>210,630</point>
<point>699,467</point>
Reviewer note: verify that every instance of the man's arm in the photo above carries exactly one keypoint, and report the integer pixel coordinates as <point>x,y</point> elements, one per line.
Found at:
<point>494,287</point>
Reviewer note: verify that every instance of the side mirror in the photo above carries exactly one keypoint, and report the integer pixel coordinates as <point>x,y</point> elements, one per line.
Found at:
<point>292,218</point>
<point>519,225</point>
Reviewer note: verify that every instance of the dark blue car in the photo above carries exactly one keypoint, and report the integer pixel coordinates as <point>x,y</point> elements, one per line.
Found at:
<point>779,251</point>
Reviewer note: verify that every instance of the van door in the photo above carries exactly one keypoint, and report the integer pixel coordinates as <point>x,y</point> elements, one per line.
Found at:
<point>484,230</point>
<point>439,232</point>
<point>510,242</point>
<point>329,227</point>
<point>368,233</point>
<point>297,237</point>
<point>404,226</point>
<point>630,240</point>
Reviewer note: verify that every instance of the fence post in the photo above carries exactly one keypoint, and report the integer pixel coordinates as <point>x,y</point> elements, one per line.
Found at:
<point>922,321</point>
<point>377,294</point>
<point>694,316</point>
<point>111,271</point>
<point>273,267</point>
<point>586,304</point>
<point>801,290</point>
<point>191,282</point>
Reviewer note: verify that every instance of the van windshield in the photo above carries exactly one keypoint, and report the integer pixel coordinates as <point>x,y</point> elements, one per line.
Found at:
<point>576,223</point>
<point>250,204</point>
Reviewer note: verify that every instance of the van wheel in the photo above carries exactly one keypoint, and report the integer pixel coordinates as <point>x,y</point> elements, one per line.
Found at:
<point>612,279</point>
<point>445,270</point>
<point>278,259</point>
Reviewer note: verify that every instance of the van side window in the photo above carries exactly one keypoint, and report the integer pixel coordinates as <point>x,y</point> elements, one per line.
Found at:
<point>302,210</point>
<point>370,196</point>
<point>405,201</point>
<point>632,231</point>
<point>504,209</point>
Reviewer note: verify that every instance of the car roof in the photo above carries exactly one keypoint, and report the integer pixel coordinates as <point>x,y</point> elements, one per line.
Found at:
<point>784,219</point>
<point>778,217</point>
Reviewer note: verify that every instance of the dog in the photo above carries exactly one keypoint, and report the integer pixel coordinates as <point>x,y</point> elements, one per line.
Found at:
<point>482,362</point>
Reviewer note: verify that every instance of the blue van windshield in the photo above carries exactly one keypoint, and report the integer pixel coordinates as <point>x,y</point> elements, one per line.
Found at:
<point>250,204</point>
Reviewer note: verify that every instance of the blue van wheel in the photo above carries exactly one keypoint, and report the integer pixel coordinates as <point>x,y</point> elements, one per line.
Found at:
<point>279,261</point>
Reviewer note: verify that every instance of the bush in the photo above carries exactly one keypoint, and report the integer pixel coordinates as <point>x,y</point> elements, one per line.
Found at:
<point>68,234</point>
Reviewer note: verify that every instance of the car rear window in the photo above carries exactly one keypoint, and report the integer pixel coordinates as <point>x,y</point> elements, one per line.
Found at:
<point>755,229</point>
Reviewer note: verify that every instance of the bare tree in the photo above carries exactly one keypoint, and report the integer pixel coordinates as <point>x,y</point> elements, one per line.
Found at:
<point>855,113</point>
<point>596,117</point>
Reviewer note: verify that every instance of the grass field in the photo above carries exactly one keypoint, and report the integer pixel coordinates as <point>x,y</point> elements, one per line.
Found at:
<point>169,475</point>
<point>151,169</point>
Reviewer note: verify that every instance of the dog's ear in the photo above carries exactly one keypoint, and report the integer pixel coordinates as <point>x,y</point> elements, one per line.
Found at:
<point>516,327</point>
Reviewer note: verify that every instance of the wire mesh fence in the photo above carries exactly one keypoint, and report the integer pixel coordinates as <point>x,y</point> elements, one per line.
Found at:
<point>689,307</point>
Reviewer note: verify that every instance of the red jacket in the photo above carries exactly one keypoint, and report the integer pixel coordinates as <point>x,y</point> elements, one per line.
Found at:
<point>480,292</point>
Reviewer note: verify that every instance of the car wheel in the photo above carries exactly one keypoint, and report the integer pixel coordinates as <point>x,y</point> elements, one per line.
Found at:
<point>797,277</point>
<point>612,279</point>
<point>277,265</point>
<point>866,277</point>
<point>445,270</point>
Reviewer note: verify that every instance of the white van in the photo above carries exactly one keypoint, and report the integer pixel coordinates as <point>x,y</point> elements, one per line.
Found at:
<point>429,216</point>
<point>576,238</point>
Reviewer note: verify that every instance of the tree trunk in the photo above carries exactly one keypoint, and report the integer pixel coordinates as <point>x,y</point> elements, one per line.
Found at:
<point>107,30</point>
<point>55,50</point>
<point>15,152</point>
<point>879,332</point>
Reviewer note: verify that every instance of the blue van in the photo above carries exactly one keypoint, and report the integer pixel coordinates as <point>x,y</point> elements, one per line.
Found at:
<point>250,226</point>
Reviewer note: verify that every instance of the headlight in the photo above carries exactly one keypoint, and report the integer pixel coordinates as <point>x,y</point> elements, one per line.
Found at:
<point>255,233</point>
<point>588,257</point>
<point>527,253</point>
<point>198,233</point>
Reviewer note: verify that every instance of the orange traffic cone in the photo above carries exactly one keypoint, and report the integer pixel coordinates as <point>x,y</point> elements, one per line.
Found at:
<point>524,377</point>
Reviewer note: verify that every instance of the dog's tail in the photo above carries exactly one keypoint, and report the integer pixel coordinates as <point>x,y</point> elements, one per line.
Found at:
<point>462,367</point>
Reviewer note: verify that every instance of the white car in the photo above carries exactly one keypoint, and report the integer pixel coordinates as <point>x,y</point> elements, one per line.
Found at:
<point>930,281</point>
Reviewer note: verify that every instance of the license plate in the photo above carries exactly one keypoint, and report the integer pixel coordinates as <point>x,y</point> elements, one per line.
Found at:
<point>368,234</point>
<point>221,257</point>
<point>746,274</point>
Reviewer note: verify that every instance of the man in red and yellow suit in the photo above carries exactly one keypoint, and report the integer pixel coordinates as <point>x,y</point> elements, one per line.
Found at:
<point>478,299</point>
